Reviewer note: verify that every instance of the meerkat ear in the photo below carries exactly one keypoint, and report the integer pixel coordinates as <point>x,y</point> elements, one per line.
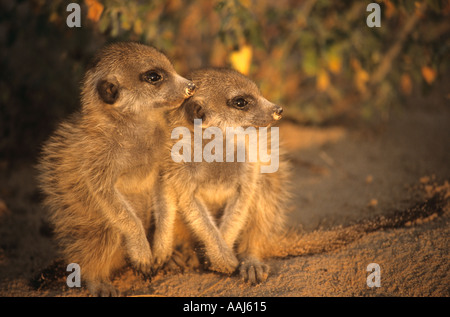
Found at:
<point>194,110</point>
<point>108,90</point>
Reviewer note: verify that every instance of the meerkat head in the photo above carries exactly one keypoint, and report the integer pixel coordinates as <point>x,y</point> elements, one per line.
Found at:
<point>226,98</point>
<point>132,78</point>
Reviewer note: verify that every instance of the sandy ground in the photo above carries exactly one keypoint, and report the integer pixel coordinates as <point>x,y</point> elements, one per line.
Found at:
<point>362,195</point>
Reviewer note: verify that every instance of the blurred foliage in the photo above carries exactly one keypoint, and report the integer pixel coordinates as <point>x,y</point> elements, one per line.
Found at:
<point>318,58</point>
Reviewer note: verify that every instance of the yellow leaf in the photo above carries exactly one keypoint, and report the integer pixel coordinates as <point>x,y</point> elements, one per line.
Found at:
<point>361,79</point>
<point>95,9</point>
<point>138,27</point>
<point>334,64</point>
<point>126,25</point>
<point>241,59</point>
<point>361,76</point>
<point>323,81</point>
<point>334,60</point>
<point>429,74</point>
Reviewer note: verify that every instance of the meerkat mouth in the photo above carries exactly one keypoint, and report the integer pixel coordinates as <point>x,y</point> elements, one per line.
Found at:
<point>189,92</point>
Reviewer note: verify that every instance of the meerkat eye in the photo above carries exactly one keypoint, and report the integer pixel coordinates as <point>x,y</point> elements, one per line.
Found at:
<point>240,102</point>
<point>152,77</point>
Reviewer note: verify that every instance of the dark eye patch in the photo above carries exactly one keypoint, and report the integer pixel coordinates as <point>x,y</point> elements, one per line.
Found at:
<point>153,76</point>
<point>241,102</point>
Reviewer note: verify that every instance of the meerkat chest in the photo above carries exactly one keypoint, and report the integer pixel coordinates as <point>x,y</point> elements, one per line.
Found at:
<point>218,174</point>
<point>220,184</point>
<point>216,197</point>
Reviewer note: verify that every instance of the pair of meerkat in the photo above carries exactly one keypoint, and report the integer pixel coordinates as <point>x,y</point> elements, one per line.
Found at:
<point>107,174</point>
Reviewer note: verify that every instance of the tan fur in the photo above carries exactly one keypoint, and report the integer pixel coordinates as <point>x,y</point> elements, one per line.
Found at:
<point>99,167</point>
<point>229,207</point>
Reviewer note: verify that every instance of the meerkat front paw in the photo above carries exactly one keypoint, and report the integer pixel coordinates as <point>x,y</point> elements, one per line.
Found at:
<point>224,262</point>
<point>161,255</point>
<point>142,268</point>
<point>253,270</point>
<point>159,259</point>
<point>140,258</point>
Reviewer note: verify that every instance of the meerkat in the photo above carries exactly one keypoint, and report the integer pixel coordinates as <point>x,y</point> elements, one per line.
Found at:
<point>231,208</point>
<point>98,169</point>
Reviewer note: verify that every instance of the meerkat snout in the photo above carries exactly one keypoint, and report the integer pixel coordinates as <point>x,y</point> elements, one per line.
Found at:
<point>277,111</point>
<point>190,89</point>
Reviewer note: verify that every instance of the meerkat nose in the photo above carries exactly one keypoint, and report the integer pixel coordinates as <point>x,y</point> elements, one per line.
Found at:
<point>190,89</point>
<point>277,111</point>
